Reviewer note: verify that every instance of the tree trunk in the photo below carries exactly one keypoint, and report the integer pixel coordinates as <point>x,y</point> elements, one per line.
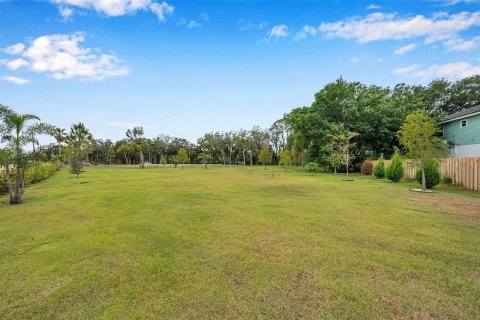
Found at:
<point>424,180</point>
<point>334,169</point>
<point>142,162</point>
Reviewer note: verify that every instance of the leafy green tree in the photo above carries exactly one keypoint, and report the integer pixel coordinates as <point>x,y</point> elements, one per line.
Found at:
<point>394,170</point>
<point>17,134</point>
<point>205,158</point>
<point>182,156</point>
<point>347,155</point>
<point>124,149</point>
<point>265,155</point>
<point>163,160</point>
<point>78,146</point>
<point>285,158</point>
<point>419,135</point>
<point>138,142</point>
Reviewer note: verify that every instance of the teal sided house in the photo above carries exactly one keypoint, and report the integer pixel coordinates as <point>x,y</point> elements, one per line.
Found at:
<point>461,130</point>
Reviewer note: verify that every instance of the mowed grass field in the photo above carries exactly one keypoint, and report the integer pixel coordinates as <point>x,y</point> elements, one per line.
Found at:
<point>237,243</point>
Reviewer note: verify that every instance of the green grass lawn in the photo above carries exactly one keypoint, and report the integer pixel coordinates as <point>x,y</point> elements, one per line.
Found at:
<point>237,242</point>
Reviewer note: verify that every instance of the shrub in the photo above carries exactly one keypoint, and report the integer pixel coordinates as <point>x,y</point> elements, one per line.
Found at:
<point>432,175</point>
<point>447,180</point>
<point>311,167</point>
<point>34,173</point>
<point>394,171</point>
<point>367,167</point>
<point>379,170</point>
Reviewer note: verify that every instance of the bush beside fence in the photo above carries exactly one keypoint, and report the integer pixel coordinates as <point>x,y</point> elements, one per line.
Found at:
<point>465,172</point>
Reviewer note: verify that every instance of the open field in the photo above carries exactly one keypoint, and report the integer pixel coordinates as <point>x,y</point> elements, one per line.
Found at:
<point>237,242</point>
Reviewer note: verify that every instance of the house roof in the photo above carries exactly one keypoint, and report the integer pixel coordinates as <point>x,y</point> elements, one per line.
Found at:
<point>461,114</point>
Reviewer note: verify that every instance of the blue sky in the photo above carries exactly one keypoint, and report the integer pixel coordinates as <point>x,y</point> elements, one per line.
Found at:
<point>188,67</point>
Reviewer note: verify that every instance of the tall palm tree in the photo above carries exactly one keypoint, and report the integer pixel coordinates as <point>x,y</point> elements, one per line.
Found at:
<point>60,135</point>
<point>17,133</point>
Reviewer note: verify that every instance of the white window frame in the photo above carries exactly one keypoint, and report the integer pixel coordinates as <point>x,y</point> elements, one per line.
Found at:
<point>461,123</point>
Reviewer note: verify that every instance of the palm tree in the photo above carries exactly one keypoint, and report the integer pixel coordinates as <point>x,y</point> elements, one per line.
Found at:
<point>60,135</point>
<point>205,157</point>
<point>17,133</point>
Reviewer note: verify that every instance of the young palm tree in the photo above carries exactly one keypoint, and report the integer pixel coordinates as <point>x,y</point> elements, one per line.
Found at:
<point>60,135</point>
<point>205,158</point>
<point>18,134</point>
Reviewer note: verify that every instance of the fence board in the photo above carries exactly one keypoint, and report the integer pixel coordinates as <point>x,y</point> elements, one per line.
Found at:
<point>464,172</point>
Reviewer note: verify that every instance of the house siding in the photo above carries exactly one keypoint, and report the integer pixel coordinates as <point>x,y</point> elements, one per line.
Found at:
<point>455,134</point>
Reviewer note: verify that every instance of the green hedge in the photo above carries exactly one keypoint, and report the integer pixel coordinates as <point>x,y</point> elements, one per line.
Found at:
<point>35,172</point>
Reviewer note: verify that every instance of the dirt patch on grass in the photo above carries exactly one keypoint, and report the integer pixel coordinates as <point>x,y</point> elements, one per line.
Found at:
<point>305,294</point>
<point>465,207</point>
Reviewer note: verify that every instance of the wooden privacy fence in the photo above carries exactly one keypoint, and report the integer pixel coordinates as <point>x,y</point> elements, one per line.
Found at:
<point>464,172</point>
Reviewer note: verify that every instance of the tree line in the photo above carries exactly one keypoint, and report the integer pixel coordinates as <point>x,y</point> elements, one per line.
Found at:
<point>346,123</point>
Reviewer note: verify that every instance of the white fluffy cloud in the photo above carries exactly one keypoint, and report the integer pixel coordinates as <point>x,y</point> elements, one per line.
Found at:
<point>115,7</point>
<point>405,70</point>
<point>14,49</point>
<point>373,7</point>
<point>62,57</point>
<point>402,50</point>
<point>279,31</point>
<point>454,70</point>
<point>16,80</point>
<point>306,30</point>
<point>441,27</point>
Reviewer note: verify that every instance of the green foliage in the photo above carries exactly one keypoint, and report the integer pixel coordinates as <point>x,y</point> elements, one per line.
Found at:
<point>182,156</point>
<point>265,155</point>
<point>79,144</point>
<point>312,167</point>
<point>35,172</point>
<point>419,134</point>
<point>432,175</point>
<point>394,170</point>
<point>285,158</point>
<point>447,180</point>
<point>163,160</point>
<point>205,158</point>
<point>367,167</point>
<point>379,170</point>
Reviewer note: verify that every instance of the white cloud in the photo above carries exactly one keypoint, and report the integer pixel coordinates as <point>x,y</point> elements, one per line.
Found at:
<point>279,31</point>
<point>246,26</point>
<point>454,2</point>
<point>62,57</point>
<point>66,13</point>
<point>193,24</point>
<point>458,44</point>
<point>16,80</point>
<point>402,50</point>
<point>161,9</point>
<point>388,26</point>
<point>306,30</point>
<point>14,49</point>
<point>373,7</point>
<point>455,70</point>
<point>405,70</point>
<point>205,16</point>
<point>115,7</point>
<point>16,63</point>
